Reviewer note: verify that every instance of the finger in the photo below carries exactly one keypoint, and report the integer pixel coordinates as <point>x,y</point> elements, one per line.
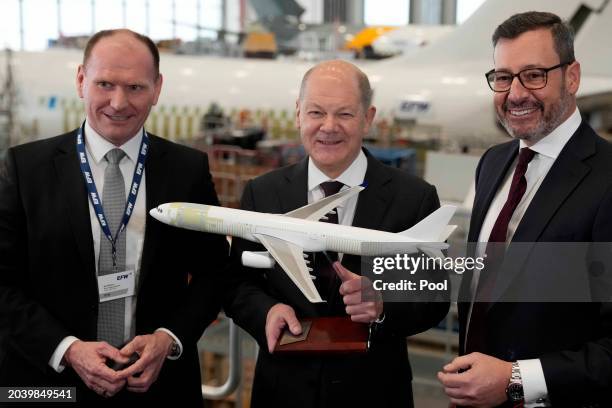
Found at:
<point>343,273</point>
<point>138,367</point>
<point>452,380</point>
<point>459,363</point>
<point>111,352</point>
<point>134,346</point>
<point>460,402</point>
<point>368,308</point>
<point>361,318</point>
<point>457,393</point>
<point>353,286</point>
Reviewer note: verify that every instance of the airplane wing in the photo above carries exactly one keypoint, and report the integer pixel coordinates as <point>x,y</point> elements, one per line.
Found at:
<point>315,211</point>
<point>291,258</point>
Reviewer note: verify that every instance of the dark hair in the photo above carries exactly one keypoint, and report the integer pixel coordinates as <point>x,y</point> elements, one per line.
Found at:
<point>562,32</point>
<point>93,40</point>
<point>365,90</point>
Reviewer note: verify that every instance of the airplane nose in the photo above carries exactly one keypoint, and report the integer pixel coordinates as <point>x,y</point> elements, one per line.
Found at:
<point>160,213</point>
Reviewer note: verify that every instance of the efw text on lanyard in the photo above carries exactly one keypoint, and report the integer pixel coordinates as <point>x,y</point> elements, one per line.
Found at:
<point>95,197</point>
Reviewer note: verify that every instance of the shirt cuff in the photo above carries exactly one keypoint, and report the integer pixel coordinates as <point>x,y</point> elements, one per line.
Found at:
<point>176,340</point>
<point>534,384</point>
<point>58,355</point>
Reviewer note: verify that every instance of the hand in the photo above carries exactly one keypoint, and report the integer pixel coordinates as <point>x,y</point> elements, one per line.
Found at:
<point>482,385</point>
<point>153,350</point>
<point>279,316</point>
<point>88,360</point>
<point>354,289</point>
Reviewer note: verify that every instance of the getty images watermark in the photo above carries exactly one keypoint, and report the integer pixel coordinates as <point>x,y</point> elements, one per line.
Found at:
<point>518,272</point>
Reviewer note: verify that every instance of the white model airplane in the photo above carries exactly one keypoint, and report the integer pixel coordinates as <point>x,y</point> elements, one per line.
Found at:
<point>287,236</point>
<point>441,87</point>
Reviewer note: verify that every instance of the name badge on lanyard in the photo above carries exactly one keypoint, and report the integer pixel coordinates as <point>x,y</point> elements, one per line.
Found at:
<point>117,285</point>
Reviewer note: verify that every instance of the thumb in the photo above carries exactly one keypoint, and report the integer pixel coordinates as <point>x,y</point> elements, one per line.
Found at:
<point>292,322</point>
<point>343,273</point>
<point>459,363</point>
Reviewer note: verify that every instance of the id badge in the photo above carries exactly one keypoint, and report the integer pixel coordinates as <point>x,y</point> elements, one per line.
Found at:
<point>116,285</point>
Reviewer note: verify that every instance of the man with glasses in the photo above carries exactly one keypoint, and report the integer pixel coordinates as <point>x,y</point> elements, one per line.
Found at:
<point>552,183</point>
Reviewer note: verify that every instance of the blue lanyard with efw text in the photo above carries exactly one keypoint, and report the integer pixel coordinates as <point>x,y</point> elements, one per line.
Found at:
<point>95,197</point>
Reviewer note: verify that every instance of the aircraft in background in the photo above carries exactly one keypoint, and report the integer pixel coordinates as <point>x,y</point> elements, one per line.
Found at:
<point>287,236</point>
<point>385,42</point>
<point>437,93</point>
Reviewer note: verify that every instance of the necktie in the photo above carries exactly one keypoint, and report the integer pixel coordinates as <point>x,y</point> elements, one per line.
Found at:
<point>323,269</point>
<point>111,314</point>
<point>495,254</point>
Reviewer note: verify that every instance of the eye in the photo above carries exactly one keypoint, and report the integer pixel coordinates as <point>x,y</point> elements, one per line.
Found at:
<point>315,114</point>
<point>533,75</point>
<point>346,115</point>
<point>135,87</point>
<point>502,77</point>
<point>104,85</point>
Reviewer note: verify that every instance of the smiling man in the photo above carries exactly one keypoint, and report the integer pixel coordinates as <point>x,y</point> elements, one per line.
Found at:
<point>333,114</point>
<point>88,283</point>
<point>552,184</point>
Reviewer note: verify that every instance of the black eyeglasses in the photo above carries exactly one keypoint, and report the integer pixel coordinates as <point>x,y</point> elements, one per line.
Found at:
<point>530,78</point>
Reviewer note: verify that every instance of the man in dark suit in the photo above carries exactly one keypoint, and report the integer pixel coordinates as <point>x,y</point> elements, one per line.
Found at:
<point>60,329</point>
<point>537,352</point>
<point>334,112</point>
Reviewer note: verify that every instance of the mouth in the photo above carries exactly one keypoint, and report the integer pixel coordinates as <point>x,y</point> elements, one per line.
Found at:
<point>329,142</point>
<point>522,111</point>
<point>118,118</point>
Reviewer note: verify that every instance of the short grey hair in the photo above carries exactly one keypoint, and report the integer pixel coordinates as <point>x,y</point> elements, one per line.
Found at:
<point>363,83</point>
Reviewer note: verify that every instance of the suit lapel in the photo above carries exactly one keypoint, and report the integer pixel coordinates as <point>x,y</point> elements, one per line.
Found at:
<point>72,186</point>
<point>490,181</point>
<point>564,176</point>
<point>373,201</point>
<point>294,193</point>
<point>157,187</point>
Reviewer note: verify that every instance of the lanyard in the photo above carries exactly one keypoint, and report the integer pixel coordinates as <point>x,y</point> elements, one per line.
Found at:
<point>95,197</point>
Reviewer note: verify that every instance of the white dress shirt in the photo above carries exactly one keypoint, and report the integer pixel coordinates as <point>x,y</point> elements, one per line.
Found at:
<point>547,149</point>
<point>97,147</point>
<point>351,177</point>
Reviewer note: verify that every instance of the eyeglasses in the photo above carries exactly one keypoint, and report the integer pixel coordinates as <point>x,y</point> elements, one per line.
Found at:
<point>530,78</point>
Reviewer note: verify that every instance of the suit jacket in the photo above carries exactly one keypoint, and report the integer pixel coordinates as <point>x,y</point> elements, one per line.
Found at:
<point>48,287</point>
<point>573,204</point>
<point>393,201</point>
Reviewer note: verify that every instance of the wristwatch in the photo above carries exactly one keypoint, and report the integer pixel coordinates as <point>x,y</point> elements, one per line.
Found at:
<point>515,387</point>
<point>174,350</point>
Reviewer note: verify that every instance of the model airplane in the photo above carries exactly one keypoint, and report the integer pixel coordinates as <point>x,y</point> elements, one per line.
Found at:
<point>287,236</point>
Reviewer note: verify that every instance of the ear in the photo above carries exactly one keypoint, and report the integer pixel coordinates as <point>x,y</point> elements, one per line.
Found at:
<point>297,113</point>
<point>158,86</point>
<point>80,80</point>
<point>572,77</point>
<point>369,118</point>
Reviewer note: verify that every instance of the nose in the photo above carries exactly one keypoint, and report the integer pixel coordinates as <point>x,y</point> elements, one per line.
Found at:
<point>118,99</point>
<point>517,90</point>
<point>329,124</point>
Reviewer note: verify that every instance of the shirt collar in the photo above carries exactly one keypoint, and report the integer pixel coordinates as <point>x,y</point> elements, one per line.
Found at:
<point>352,176</point>
<point>99,146</point>
<point>552,144</point>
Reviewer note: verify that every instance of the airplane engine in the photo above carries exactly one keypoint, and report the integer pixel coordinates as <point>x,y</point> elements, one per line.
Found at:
<point>258,259</point>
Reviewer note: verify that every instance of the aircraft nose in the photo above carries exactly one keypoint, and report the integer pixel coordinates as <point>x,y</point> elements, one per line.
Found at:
<point>160,213</point>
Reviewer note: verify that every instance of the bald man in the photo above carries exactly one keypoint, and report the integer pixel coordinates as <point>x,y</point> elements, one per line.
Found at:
<point>333,114</point>
<point>88,282</point>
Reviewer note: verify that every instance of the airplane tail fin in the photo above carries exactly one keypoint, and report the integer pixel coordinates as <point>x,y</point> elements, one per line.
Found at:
<point>434,228</point>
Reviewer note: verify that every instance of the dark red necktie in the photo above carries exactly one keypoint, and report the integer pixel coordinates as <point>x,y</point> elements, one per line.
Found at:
<point>495,253</point>
<point>322,268</point>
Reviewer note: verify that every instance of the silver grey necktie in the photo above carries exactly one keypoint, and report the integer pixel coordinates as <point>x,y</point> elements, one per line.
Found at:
<point>111,314</point>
